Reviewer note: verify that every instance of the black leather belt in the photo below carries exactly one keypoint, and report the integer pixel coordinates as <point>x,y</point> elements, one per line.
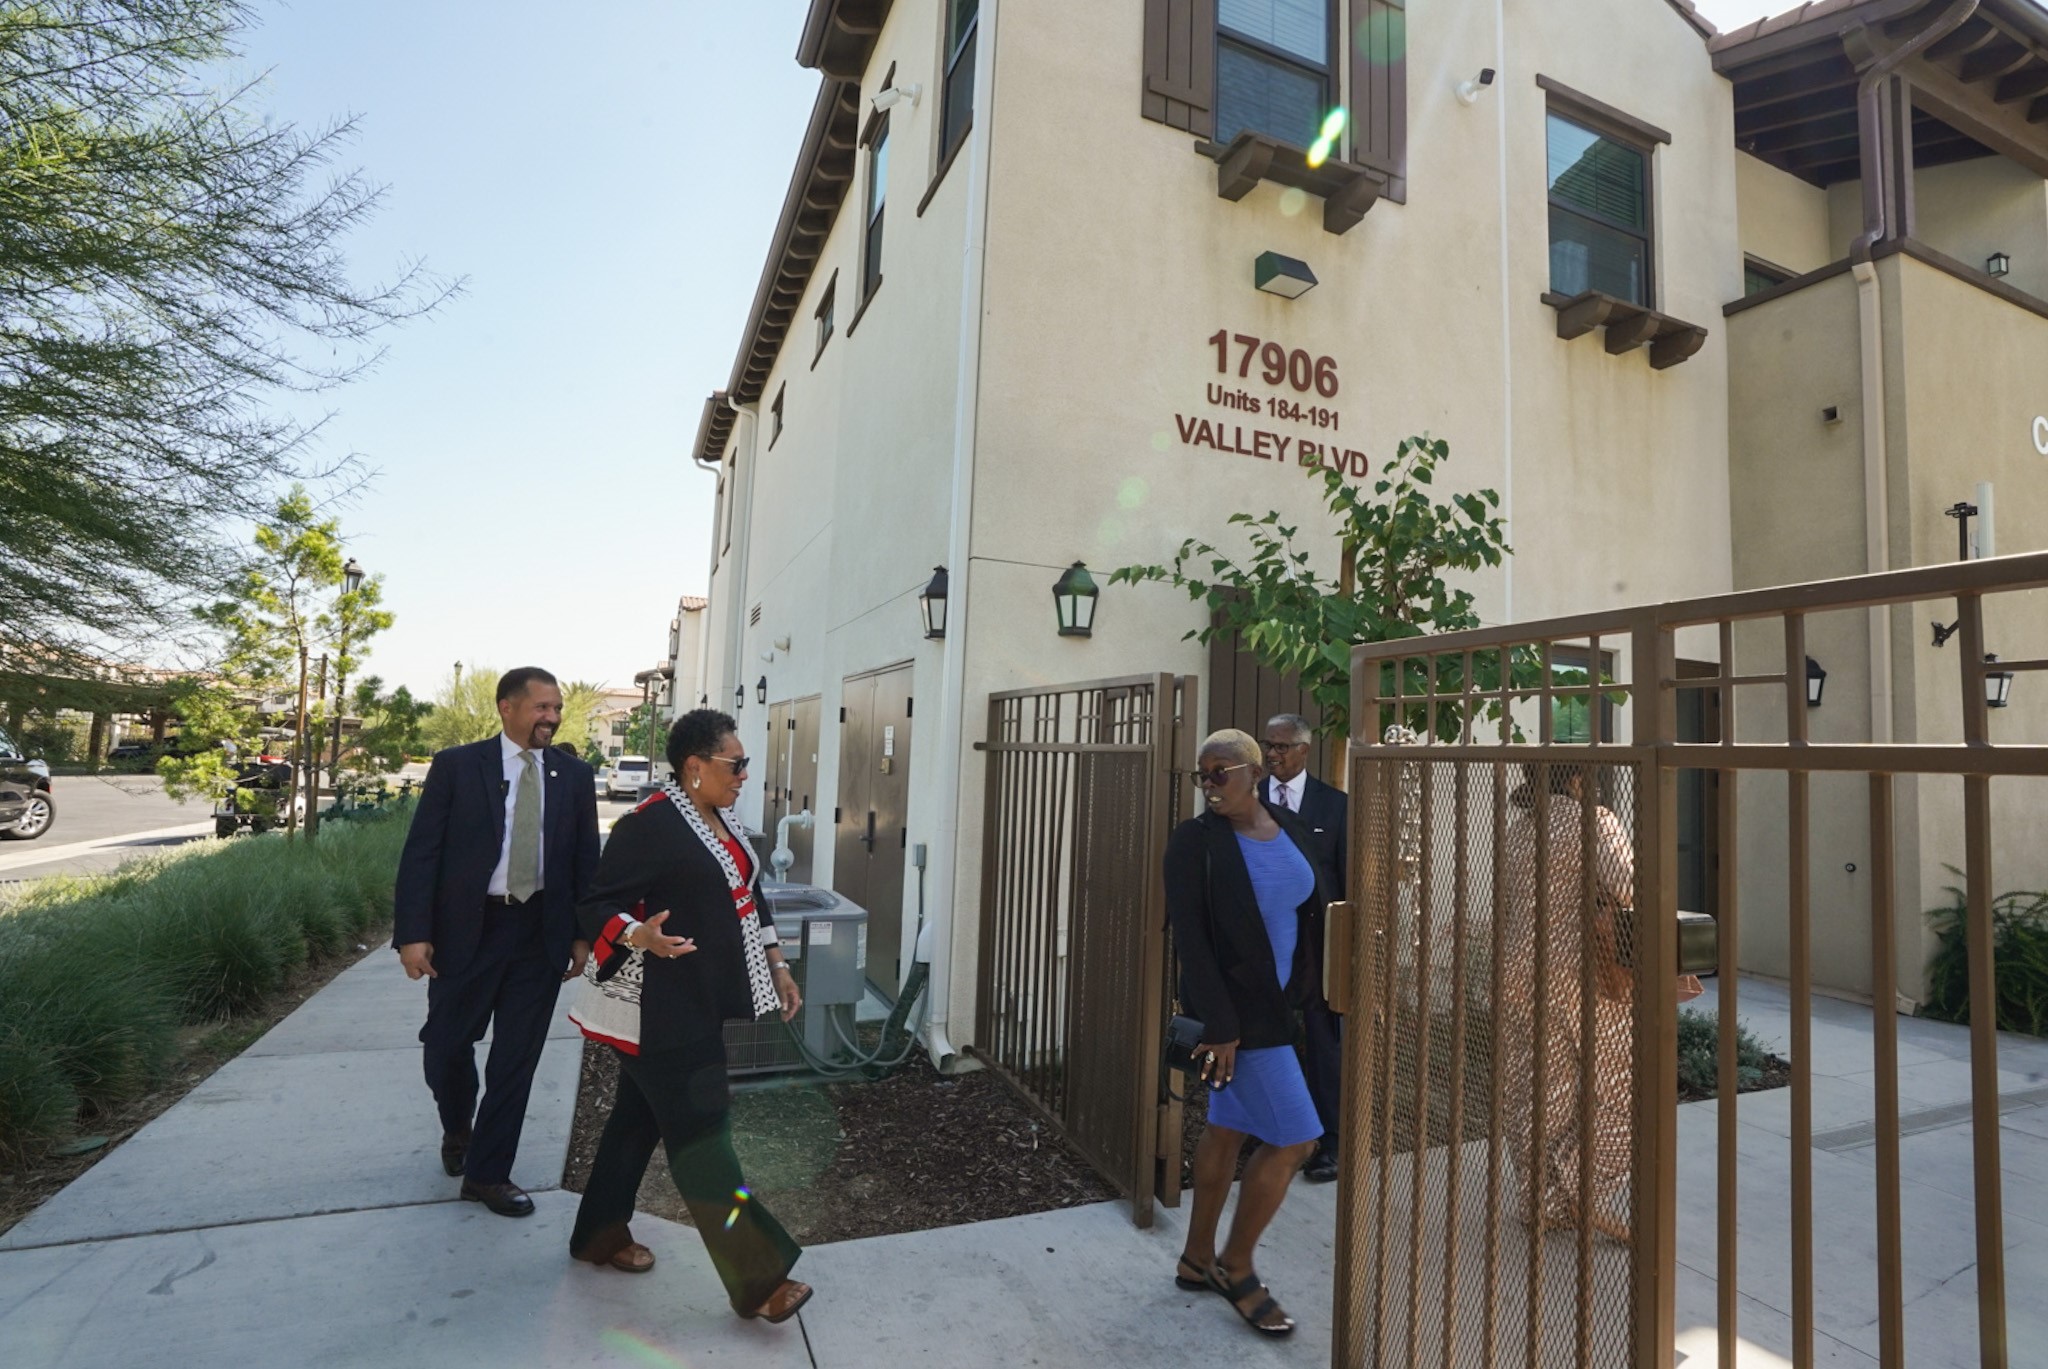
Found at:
<point>500,901</point>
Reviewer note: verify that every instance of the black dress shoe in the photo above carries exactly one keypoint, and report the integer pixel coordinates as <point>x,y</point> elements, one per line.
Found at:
<point>1321,1168</point>
<point>454,1151</point>
<point>507,1200</point>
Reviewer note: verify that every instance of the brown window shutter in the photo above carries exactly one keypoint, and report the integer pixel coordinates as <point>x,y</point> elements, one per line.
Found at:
<point>1379,90</point>
<point>1180,64</point>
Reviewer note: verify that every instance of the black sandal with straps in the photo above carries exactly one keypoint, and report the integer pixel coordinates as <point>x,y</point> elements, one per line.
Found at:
<point>1245,1288</point>
<point>1182,1281</point>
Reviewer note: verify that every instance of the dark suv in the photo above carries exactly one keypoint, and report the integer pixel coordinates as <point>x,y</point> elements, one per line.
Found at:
<point>26,809</point>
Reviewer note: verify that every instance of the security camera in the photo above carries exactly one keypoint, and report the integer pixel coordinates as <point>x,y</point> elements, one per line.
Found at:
<point>1468,91</point>
<point>892,96</point>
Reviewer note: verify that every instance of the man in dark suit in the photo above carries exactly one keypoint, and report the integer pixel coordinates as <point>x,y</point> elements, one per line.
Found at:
<point>1326,813</point>
<point>502,847</point>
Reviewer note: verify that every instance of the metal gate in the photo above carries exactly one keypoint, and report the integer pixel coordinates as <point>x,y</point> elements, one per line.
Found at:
<point>1082,791</point>
<point>1510,1156</point>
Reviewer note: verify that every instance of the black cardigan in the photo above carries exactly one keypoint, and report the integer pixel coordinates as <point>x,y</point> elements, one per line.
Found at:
<point>654,858</point>
<point>1228,978</point>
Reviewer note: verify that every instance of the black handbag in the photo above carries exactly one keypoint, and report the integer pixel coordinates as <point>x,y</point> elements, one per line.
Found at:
<point>1183,1034</point>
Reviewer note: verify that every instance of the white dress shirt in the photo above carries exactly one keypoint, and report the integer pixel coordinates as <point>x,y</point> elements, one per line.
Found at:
<point>510,752</point>
<point>1287,793</point>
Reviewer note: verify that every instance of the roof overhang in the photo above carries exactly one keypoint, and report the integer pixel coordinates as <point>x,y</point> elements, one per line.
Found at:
<point>839,36</point>
<point>1981,89</point>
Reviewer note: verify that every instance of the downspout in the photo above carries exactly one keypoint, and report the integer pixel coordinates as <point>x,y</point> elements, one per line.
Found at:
<point>1877,170</point>
<point>959,541</point>
<point>746,432</point>
<point>1507,337</point>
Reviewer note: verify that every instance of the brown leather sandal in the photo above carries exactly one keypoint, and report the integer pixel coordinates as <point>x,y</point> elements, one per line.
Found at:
<point>618,1251</point>
<point>783,1303</point>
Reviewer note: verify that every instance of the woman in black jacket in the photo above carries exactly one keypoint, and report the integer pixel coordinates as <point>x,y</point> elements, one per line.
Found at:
<point>1247,914</point>
<point>681,942</point>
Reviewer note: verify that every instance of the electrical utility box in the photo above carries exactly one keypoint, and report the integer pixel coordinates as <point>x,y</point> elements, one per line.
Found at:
<point>824,939</point>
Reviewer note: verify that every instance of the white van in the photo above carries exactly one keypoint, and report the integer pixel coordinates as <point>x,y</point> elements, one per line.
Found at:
<point>626,776</point>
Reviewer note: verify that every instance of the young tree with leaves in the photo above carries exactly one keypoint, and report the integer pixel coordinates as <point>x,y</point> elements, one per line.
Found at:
<point>391,730</point>
<point>1399,539</point>
<point>287,606</point>
<point>168,261</point>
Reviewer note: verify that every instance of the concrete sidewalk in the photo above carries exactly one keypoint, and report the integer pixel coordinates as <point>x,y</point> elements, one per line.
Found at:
<point>292,1211</point>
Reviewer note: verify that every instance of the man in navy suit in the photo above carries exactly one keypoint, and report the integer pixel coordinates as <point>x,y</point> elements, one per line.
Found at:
<point>1327,813</point>
<point>502,847</point>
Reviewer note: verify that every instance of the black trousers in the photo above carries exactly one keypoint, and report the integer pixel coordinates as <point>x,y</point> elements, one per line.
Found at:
<point>508,987</point>
<point>1323,1047</point>
<point>682,1098</point>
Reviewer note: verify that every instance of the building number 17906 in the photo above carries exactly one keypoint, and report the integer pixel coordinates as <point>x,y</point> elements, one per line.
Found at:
<point>1277,365</point>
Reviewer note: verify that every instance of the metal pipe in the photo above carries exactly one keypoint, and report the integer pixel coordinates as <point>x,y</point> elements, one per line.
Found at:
<point>960,539</point>
<point>1876,151</point>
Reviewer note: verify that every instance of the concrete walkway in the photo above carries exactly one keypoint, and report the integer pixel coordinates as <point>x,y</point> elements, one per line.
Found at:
<point>291,1211</point>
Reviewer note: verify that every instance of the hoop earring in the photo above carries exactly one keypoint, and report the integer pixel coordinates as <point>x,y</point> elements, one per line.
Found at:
<point>696,781</point>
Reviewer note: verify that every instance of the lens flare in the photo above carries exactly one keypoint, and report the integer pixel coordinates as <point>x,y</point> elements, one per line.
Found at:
<point>638,1350</point>
<point>739,1200</point>
<point>1293,200</point>
<point>1326,141</point>
<point>1110,531</point>
<point>1131,493</point>
<point>1161,440</point>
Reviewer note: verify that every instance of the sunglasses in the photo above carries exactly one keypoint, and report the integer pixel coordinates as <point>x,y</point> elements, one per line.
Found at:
<point>738,763</point>
<point>1218,777</point>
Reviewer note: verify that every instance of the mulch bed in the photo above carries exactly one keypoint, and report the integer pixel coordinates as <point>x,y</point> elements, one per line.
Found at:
<point>202,1050</point>
<point>841,1161</point>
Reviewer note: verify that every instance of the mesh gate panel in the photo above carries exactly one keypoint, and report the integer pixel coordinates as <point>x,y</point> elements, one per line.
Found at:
<point>1489,1144</point>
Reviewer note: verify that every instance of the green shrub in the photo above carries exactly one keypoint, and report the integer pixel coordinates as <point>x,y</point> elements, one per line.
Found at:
<point>97,974</point>
<point>2019,958</point>
<point>1699,1040</point>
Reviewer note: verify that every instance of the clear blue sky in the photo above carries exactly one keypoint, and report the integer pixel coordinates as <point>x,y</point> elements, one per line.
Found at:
<point>607,177</point>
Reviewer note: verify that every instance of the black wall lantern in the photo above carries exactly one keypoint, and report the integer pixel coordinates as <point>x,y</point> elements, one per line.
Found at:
<point>1816,681</point>
<point>1998,264</point>
<point>761,691</point>
<point>932,604</point>
<point>739,698</point>
<point>1287,277</point>
<point>1997,684</point>
<point>1074,595</point>
<point>351,576</point>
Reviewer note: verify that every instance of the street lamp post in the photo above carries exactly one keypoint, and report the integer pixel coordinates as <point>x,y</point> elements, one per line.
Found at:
<point>351,582</point>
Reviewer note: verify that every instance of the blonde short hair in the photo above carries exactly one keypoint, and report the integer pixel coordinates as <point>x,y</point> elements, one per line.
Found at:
<point>1240,746</point>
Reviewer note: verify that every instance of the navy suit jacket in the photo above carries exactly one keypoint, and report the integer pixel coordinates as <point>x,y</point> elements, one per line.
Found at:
<point>1327,813</point>
<point>457,833</point>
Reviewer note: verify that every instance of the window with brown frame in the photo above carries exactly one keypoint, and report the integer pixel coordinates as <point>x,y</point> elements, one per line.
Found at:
<point>1273,70</point>
<point>775,412</point>
<point>826,309</point>
<point>877,204</point>
<point>1759,275</point>
<point>956,102</point>
<point>1599,213</point>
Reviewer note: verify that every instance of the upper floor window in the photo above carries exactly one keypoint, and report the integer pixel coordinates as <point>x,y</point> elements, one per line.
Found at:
<point>775,412</point>
<point>878,193</point>
<point>956,107</point>
<point>1759,275</point>
<point>1273,72</point>
<point>1600,235</point>
<point>827,308</point>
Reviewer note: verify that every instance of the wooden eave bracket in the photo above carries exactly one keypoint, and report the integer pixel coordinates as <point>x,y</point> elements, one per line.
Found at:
<point>1628,326</point>
<point>1348,191</point>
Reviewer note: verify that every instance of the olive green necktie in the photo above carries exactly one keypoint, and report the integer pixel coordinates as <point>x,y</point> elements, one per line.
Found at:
<point>522,874</point>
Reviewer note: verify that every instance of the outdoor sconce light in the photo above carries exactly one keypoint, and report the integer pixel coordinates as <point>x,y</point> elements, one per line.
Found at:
<point>1997,684</point>
<point>1074,595</point>
<point>932,605</point>
<point>1998,264</point>
<point>739,698</point>
<point>1287,277</point>
<point>703,701</point>
<point>351,576</point>
<point>1816,681</point>
<point>761,691</point>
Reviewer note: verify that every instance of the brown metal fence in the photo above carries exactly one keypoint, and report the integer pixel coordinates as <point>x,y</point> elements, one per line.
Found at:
<point>1510,1160</point>
<point>1082,789</point>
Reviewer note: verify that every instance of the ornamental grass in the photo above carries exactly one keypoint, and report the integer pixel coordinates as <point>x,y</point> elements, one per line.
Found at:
<point>101,978</point>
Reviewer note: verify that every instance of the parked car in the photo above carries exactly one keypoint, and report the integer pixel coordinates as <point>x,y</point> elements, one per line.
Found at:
<point>624,779</point>
<point>256,799</point>
<point>26,808</point>
<point>131,751</point>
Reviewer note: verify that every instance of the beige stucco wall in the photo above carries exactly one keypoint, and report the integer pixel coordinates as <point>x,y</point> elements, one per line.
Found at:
<point>1782,219</point>
<point>1992,204</point>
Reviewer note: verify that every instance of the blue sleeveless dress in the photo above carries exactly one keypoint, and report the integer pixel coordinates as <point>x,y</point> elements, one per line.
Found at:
<point>1268,1097</point>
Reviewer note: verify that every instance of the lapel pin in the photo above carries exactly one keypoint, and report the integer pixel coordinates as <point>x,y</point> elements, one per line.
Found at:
<point>553,773</point>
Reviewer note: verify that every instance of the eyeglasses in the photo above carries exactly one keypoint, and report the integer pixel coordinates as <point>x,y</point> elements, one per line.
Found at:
<point>1218,777</point>
<point>1280,746</point>
<point>738,763</point>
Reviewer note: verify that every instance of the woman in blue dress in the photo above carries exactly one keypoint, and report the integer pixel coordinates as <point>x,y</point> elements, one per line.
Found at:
<point>1247,916</point>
